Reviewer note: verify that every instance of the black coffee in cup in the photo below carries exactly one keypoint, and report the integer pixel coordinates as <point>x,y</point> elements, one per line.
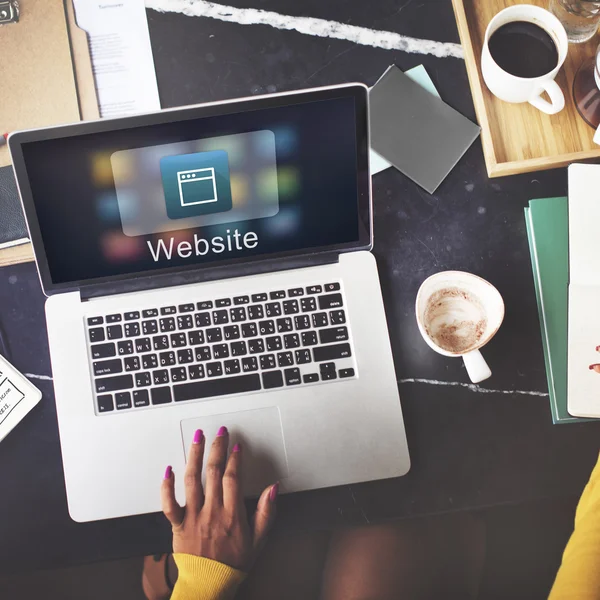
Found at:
<point>523,49</point>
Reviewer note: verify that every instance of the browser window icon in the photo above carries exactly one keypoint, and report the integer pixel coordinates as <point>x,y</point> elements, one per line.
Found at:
<point>196,184</point>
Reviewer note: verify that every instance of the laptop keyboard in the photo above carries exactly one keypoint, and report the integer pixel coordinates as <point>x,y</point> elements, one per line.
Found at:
<point>201,350</point>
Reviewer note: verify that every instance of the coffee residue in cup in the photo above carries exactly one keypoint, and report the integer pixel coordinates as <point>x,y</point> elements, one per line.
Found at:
<point>455,320</point>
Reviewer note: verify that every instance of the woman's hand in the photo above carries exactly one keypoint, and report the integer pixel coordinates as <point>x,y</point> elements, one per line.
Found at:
<point>214,524</point>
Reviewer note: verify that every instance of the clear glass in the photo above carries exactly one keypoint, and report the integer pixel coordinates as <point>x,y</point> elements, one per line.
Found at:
<point>586,90</point>
<point>580,18</point>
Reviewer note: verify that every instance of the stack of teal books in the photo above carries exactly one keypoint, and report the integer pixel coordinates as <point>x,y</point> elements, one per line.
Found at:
<point>547,222</point>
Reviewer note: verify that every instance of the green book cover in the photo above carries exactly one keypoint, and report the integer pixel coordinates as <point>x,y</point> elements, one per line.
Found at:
<point>548,233</point>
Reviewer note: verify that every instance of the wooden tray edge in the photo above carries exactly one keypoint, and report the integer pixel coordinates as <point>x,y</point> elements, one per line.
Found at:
<point>539,164</point>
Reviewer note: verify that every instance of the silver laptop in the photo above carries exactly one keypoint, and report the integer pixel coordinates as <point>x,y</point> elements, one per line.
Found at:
<point>210,266</point>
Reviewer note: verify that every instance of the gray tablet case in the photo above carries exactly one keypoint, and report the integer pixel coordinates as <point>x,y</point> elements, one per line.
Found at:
<point>419,134</point>
<point>12,221</point>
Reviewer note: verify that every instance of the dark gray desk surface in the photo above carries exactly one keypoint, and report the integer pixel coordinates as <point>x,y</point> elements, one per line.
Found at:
<point>469,449</point>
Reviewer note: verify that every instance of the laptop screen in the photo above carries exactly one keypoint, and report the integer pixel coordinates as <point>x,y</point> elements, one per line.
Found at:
<point>205,185</point>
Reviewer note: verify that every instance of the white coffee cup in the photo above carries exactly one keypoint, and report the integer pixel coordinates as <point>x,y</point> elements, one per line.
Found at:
<point>511,88</point>
<point>458,313</point>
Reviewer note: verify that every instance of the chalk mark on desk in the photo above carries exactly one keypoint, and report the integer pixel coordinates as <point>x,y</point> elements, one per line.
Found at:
<point>388,40</point>
<point>34,376</point>
<point>360,508</point>
<point>473,387</point>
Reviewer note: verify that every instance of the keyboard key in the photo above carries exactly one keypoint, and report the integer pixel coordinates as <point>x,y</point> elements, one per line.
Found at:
<point>277,295</point>
<point>238,348</point>
<point>241,300</point>
<point>125,348</point>
<point>160,342</point>
<point>105,403</point>
<point>272,379</point>
<point>290,307</point>
<point>232,366</point>
<point>196,371</point>
<point>149,327</point>
<point>214,335</point>
<point>123,400</point>
<point>337,317</point>
<point>113,318</point>
<point>132,363</point>
<point>196,338</point>
<point>151,312</point>
<point>96,335</point>
<point>132,329</point>
<point>149,361</point>
<point>346,373</point>
<point>161,376</point>
<point>167,359</point>
<point>330,301</point>
<point>219,387</point>
<point>292,377</point>
<point>266,327</point>
<point>308,304</point>
<point>114,332</point>
<point>284,324</point>
<point>202,353</point>
<point>178,340</point>
<point>310,378</point>
<point>95,321</point>
<point>223,302</point>
<point>291,341</point>
<point>214,369</point>
<point>204,305</point>
<point>104,350</point>
<point>285,359</point>
<point>295,292</point>
<point>273,309</point>
<point>332,352</point>
<point>143,345</point>
<point>256,346</point>
<point>320,319</point>
<point>256,312</point>
<point>314,289</point>
<point>186,308</point>
<point>142,379</point>
<point>185,356</point>
<point>328,371</point>
<point>185,322</point>
<point>168,310</point>
<point>302,356</point>
<point>220,317</point>
<point>249,330</point>
<point>335,334</point>
<point>220,350</point>
<point>161,395</point>
<point>237,314</point>
<point>231,332</point>
<point>108,367</point>
<point>249,364</point>
<point>178,374</point>
<point>111,384</point>
<point>202,319</point>
<point>302,322</point>
<point>259,297</point>
<point>332,287</point>
<point>141,398</point>
<point>267,361</point>
<point>167,324</point>
<point>309,338</point>
<point>132,316</point>
<point>274,343</point>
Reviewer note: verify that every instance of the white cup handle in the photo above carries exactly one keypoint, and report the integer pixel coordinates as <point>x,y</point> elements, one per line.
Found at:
<point>597,136</point>
<point>476,366</point>
<point>557,98</point>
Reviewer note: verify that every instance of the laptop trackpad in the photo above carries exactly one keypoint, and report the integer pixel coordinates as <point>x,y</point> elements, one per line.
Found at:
<point>261,435</point>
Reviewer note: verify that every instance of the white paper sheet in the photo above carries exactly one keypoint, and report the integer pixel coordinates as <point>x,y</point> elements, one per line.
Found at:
<point>121,55</point>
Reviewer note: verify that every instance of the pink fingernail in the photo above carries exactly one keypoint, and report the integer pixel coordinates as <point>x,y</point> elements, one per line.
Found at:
<point>168,472</point>
<point>237,448</point>
<point>222,431</point>
<point>198,436</point>
<point>273,493</point>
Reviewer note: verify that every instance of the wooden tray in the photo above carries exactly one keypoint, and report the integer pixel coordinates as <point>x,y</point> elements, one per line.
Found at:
<point>518,138</point>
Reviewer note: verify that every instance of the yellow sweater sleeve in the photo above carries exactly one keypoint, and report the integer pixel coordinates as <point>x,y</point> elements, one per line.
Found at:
<point>205,579</point>
<point>579,575</point>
